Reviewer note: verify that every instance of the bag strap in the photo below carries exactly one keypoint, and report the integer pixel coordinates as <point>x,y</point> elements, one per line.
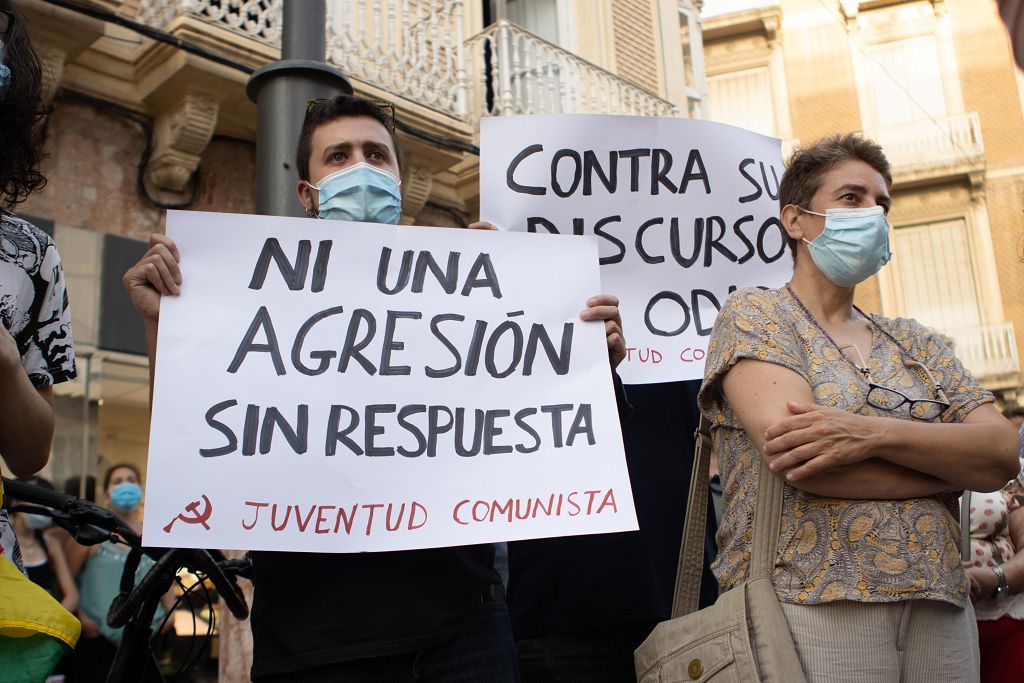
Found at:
<point>691,550</point>
<point>767,521</point>
<point>965,526</point>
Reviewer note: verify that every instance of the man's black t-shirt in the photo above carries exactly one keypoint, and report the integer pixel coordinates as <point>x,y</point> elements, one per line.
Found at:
<point>559,585</point>
<point>313,609</point>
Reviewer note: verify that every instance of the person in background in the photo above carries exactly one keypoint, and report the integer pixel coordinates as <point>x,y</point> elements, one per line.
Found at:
<point>42,552</point>
<point>98,570</point>
<point>996,572</point>
<point>1015,414</point>
<point>73,487</point>
<point>35,350</point>
<point>581,605</point>
<point>869,422</point>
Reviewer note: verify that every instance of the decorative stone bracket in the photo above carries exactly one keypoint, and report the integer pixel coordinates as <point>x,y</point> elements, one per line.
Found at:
<point>416,186</point>
<point>180,134</point>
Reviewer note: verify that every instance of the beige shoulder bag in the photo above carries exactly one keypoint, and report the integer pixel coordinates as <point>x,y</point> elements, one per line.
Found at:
<point>744,635</point>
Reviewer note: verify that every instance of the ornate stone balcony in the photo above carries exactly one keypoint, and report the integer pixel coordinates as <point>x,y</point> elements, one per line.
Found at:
<point>415,53</point>
<point>415,49</point>
<point>932,147</point>
<point>990,353</point>
<point>409,48</point>
<point>516,72</point>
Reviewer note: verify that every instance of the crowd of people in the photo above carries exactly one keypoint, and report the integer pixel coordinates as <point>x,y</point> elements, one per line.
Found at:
<point>873,423</point>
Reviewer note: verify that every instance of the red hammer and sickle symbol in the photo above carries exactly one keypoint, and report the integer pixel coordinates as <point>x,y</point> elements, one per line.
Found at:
<point>196,517</point>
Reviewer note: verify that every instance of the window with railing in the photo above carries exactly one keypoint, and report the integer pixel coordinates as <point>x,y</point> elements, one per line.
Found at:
<point>743,98</point>
<point>540,73</point>
<point>935,283</point>
<point>907,109</point>
<point>904,81</point>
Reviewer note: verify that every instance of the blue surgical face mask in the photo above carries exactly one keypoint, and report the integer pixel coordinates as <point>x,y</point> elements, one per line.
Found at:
<point>36,522</point>
<point>360,193</point>
<point>5,71</point>
<point>126,496</point>
<point>854,245</point>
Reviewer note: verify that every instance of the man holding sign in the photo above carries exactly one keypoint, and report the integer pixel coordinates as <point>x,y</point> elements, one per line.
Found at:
<point>439,613</point>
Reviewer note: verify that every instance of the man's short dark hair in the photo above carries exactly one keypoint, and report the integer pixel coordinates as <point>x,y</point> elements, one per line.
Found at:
<point>1013,411</point>
<point>320,112</point>
<point>21,108</point>
<point>808,165</point>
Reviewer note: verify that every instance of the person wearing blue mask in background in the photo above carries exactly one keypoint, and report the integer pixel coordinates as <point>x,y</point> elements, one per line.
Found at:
<point>427,615</point>
<point>45,562</point>
<point>98,570</point>
<point>42,552</point>
<point>873,425</point>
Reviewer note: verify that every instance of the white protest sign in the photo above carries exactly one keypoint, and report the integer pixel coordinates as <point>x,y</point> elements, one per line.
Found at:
<point>686,211</point>
<point>339,387</point>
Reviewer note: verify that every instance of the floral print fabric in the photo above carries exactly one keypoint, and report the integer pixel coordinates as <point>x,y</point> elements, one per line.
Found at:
<point>835,549</point>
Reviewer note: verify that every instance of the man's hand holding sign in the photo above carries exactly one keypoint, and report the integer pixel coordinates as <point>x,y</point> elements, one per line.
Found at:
<point>417,387</point>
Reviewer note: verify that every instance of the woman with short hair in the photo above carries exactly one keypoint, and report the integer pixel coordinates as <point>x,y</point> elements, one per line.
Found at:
<point>874,425</point>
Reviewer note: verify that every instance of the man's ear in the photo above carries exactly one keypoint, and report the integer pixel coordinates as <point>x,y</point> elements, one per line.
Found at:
<point>790,217</point>
<point>306,197</point>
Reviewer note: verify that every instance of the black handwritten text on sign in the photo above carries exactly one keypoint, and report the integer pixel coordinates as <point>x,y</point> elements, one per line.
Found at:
<point>361,387</point>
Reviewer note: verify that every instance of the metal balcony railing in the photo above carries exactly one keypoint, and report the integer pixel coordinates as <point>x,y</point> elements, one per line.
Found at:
<point>412,48</point>
<point>516,72</point>
<point>258,19</point>
<point>416,49</point>
<point>932,142</point>
<point>409,48</point>
<point>988,351</point>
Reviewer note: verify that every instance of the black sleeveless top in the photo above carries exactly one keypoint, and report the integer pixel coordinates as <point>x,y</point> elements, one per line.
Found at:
<point>42,574</point>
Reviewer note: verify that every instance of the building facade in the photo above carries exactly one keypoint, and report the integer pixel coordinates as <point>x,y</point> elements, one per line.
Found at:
<point>150,112</point>
<point>934,82</point>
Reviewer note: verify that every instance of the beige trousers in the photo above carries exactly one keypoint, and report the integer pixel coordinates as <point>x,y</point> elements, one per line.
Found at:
<point>913,641</point>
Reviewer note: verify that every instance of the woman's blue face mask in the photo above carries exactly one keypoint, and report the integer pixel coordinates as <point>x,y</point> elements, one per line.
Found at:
<point>854,245</point>
<point>362,193</point>
<point>5,71</point>
<point>126,496</point>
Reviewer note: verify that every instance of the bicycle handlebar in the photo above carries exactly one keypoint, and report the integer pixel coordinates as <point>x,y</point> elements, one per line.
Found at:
<point>37,494</point>
<point>72,513</point>
<point>75,515</point>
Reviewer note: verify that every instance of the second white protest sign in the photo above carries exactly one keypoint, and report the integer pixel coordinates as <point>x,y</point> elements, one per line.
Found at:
<point>686,211</point>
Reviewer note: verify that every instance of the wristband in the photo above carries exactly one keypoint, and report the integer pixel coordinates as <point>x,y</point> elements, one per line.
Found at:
<point>1003,588</point>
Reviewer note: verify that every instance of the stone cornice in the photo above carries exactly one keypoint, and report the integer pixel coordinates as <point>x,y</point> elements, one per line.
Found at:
<point>763,20</point>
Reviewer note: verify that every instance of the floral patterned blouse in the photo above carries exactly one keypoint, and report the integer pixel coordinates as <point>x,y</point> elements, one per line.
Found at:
<point>835,549</point>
